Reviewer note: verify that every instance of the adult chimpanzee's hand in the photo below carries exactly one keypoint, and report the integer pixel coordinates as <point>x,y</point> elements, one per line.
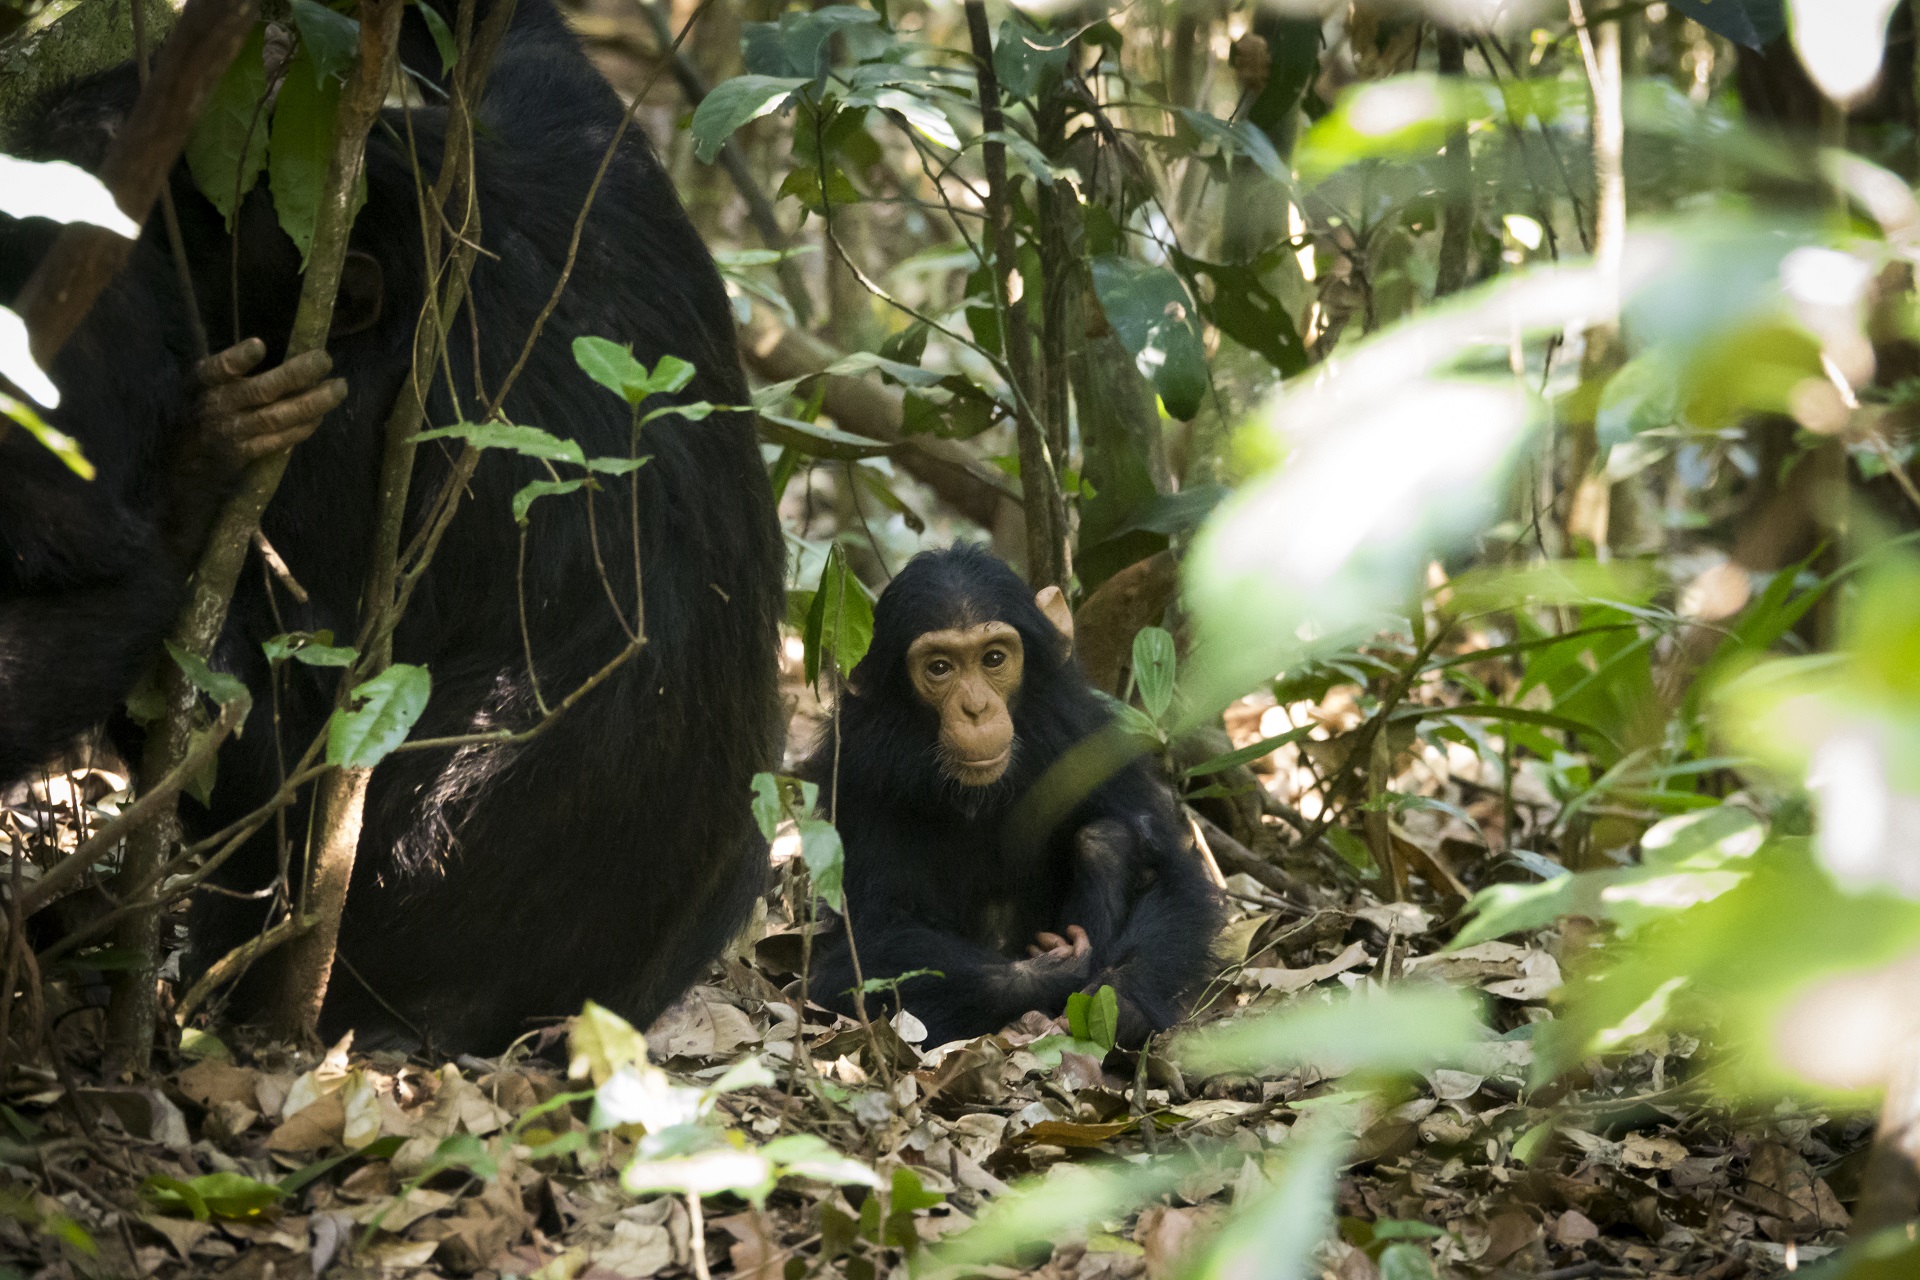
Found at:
<point>243,418</point>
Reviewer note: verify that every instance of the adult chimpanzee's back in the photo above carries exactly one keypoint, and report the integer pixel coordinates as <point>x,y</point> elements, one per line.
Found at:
<point>611,856</point>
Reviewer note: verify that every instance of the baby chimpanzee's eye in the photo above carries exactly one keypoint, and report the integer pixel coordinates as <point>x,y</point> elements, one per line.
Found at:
<point>994,658</point>
<point>939,667</point>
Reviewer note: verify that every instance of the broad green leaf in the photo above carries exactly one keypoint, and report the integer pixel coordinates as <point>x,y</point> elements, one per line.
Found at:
<point>768,806</point>
<point>1249,753</point>
<point>61,191</point>
<point>1402,1261</point>
<point>232,1196</point>
<point>703,1173</point>
<point>601,1043</point>
<point>796,45</point>
<point>612,366</point>
<point>826,860</point>
<point>218,685</point>
<point>733,103</point>
<point>1238,137</point>
<point>1753,23</point>
<point>301,148</point>
<point>840,623</point>
<point>1025,58</point>
<point>227,150</point>
<point>1103,1017</point>
<point>1153,669</point>
<point>1155,317</point>
<point>1276,1236</point>
<point>1405,1028</point>
<point>443,41</point>
<point>805,1155</point>
<point>531,442</point>
<point>524,499</point>
<point>328,38</point>
<point>315,649</point>
<point>389,705</point>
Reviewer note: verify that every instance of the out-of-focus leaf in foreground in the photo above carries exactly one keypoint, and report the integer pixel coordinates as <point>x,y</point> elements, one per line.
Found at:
<point>1408,1028</point>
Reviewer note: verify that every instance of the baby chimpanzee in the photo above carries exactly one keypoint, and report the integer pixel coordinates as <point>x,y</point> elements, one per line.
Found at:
<point>968,694</point>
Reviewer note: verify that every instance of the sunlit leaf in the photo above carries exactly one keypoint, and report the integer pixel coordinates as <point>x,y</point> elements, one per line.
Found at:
<point>63,192</point>
<point>389,705</point>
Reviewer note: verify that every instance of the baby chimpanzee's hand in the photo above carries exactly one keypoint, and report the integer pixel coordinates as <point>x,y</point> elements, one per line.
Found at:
<point>1051,945</point>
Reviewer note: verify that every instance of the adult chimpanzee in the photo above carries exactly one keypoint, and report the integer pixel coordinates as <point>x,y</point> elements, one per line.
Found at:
<point>967,696</point>
<point>609,857</point>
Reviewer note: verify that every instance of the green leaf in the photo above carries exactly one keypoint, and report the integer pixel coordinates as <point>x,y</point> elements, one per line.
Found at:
<point>1155,317</point>
<point>301,148</point>
<point>733,103</point>
<point>1153,670</point>
<point>826,860</point>
<point>529,494</point>
<point>817,441</point>
<point>796,45</point>
<point>227,150</point>
<point>612,366</point>
<point>840,622</point>
<point>62,191</point>
<point>1407,1028</point>
<point>218,685</point>
<point>1402,1261</point>
<point>389,706</point>
<point>327,37</point>
<point>530,442</point>
<point>1249,753</point>
<point>1025,59</point>
<point>232,1196</point>
<point>57,442</point>
<point>316,649</point>
<point>1103,1017</point>
<point>768,807</point>
<point>1753,23</point>
<point>442,38</point>
<point>805,1155</point>
<point>1238,137</point>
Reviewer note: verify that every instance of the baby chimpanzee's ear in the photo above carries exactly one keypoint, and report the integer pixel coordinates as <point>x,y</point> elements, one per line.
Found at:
<point>1053,603</point>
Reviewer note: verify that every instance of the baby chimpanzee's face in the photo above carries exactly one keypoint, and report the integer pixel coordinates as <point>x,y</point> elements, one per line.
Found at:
<point>969,676</point>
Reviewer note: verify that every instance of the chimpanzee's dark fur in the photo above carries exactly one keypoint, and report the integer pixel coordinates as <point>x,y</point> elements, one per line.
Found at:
<point>937,879</point>
<point>612,856</point>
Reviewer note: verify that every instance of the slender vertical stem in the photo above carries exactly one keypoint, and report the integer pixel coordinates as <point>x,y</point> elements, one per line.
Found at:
<point>1045,543</point>
<point>1456,234</point>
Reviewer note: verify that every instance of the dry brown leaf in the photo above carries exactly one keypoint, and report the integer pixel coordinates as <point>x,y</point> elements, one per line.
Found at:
<point>1068,1133</point>
<point>210,1083</point>
<point>181,1233</point>
<point>1507,1235</point>
<point>1574,1228</point>
<point>1288,980</point>
<point>1781,1182</point>
<point>1641,1151</point>
<point>316,1127</point>
<point>1171,1236</point>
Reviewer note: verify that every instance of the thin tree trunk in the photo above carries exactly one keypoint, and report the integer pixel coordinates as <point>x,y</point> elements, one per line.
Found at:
<point>1456,233</point>
<point>307,966</point>
<point>1046,552</point>
<point>131,1015</point>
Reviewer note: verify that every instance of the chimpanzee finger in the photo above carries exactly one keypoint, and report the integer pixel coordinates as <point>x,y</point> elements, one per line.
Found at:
<point>282,423</point>
<point>232,364</point>
<point>289,379</point>
<point>1081,944</point>
<point>1050,941</point>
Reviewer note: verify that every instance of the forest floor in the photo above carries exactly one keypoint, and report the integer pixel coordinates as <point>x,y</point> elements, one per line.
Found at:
<point>1627,1169</point>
